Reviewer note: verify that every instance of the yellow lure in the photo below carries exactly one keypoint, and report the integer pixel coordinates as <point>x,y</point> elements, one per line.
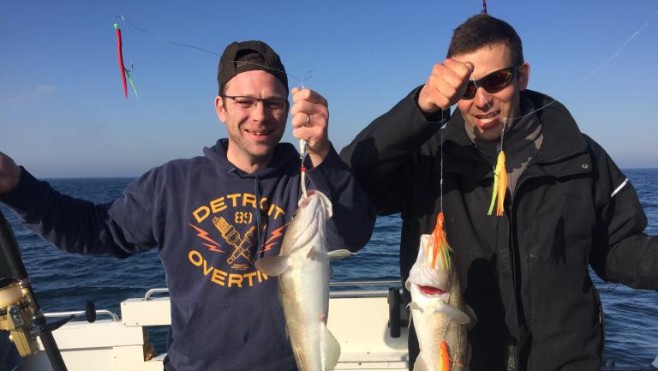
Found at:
<point>500,186</point>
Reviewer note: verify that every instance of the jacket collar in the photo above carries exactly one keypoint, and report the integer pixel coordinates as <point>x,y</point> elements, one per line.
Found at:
<point>562,139</point>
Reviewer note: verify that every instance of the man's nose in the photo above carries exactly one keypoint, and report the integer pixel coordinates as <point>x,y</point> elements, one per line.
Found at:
<point>482,98</point>
<point>258,111</point>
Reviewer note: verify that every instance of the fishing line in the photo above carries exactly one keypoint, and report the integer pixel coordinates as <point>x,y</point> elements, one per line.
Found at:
<point>441,170</point>
<point>302,157</point>
<point>500,167</point>
<point>508,120</point>
<point>639,31</point>
<point>614,55</point>
<point>122,18</point>
<point>306,77</point>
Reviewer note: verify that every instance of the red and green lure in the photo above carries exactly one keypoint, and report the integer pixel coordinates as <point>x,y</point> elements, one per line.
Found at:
<point>125,73</point>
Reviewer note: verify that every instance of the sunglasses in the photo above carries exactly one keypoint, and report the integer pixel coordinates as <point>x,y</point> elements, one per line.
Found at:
<point>492,83</point>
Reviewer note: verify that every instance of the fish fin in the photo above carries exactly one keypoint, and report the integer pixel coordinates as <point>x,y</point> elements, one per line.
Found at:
<point>272,265</point>
<point>330,350</point>
<point>452,313</point>
<point>414,306</point>
<point>421,363</point>
<point>339,254</point>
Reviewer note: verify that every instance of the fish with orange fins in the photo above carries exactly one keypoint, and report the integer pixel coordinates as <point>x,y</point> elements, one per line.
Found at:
<point>438,312</point>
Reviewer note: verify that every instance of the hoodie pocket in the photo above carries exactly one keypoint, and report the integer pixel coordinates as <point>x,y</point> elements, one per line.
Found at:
<point>233,334</point>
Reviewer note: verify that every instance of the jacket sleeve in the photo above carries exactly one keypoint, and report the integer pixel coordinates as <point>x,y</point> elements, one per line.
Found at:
<point>382,154</point>
<point>353,219</point>
<point>623,252</point>
<point>74,225</point>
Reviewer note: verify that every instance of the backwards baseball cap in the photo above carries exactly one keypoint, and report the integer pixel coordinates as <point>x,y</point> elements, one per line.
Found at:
<point>250,55</point>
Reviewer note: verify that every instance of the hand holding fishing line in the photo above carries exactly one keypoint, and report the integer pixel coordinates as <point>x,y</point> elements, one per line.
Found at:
<point>310,120</point>
<point>445,85</point>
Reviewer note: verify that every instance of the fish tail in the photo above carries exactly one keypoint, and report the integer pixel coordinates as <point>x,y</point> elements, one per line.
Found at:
<point>330,350</point>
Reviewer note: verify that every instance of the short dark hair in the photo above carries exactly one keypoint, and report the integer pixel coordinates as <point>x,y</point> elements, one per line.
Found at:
<point>482,30</point>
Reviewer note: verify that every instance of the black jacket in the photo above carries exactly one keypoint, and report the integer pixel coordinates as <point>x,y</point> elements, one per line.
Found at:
<point>525,274</point>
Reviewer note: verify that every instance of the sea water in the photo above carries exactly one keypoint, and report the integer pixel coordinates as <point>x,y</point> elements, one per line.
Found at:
<point>65,281</point>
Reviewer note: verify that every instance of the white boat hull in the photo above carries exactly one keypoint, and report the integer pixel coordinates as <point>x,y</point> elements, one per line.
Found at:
<point>360,323</point>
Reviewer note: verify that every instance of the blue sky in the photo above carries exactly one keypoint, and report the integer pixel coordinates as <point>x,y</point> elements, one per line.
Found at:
<point>63,113</point>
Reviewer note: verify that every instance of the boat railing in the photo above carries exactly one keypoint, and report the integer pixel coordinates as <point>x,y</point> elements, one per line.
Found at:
<point>81,314</point>
<point>373,288</point>
<point>155,291</point>
<point>376,288</point>
<point>135,337</point>
<point>389,289</point>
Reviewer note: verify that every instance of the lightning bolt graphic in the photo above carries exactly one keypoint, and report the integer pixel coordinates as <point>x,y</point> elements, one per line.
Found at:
<point>213,246</point>
<point>275,235</point>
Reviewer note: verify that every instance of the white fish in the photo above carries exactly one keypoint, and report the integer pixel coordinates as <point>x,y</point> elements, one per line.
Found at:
<point>303,270</point>
<point>437,309</point>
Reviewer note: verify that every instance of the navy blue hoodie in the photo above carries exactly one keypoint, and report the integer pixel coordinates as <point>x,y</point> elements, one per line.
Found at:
<point>210,222</point>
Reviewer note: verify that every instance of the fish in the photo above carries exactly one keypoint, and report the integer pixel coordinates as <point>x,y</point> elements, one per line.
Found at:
<point>438,312</point>
<point>303,271</point>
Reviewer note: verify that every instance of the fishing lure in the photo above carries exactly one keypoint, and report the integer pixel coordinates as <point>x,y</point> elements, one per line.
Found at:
<point>125,73</point>
<point>440,248</point>
<point>444,363</point>
<point>500,185</point>
<point>302,157</point>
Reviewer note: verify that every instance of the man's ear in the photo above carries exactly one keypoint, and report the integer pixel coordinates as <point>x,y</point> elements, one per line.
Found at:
<point>220,108</point>
<point>523,74</point>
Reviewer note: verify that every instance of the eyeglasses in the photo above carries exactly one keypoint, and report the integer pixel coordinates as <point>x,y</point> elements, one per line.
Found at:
<point>492,83</point>
<point>273,104</point>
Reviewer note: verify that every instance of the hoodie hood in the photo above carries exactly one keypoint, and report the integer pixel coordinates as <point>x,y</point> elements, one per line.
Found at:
<point>284,153</point>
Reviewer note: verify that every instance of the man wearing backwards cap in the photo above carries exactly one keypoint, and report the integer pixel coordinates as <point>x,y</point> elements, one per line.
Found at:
<point>212,216</point>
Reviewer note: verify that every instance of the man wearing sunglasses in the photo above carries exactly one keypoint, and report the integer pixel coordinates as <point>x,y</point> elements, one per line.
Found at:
<point>567,206</point>
<point>212,216</point>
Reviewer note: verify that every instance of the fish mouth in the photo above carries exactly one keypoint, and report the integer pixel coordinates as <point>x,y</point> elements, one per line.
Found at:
<point>431,290</point>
